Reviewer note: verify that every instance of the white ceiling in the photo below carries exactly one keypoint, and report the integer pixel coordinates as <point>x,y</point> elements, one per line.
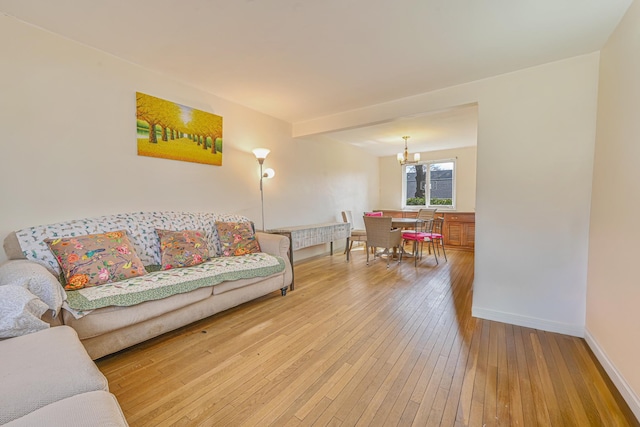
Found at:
<point>302,59</point>
<point>454,128</point>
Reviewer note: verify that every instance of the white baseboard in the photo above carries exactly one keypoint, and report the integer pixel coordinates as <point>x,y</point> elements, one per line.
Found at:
<point>529,322</point>
<point>621,384</point>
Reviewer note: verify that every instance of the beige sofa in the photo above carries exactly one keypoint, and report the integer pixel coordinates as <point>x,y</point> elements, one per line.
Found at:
<point>48,379</point>
<point>107,329</point>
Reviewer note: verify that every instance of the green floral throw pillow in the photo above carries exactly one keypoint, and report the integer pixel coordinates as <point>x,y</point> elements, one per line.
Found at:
<point>237,238</point>
<point>182,248</point>
<point>96,259</point>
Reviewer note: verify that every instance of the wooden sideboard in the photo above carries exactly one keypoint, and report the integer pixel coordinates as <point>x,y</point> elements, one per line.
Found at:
<point>396,213</point>
<point>459,229</point>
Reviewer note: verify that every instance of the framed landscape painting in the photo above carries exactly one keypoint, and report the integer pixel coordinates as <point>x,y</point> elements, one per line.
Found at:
<point>173,131</point>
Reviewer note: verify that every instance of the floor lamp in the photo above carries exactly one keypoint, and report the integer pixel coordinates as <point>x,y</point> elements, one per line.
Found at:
<point>261,154</point>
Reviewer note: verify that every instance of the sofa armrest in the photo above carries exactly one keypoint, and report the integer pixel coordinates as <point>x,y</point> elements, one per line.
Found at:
<point>12,247</point>
<point>42,368</point>
<point>273,244</point>
<point>278,245</point>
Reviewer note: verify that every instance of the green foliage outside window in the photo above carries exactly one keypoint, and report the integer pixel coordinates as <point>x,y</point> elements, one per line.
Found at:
<point>419,201</point>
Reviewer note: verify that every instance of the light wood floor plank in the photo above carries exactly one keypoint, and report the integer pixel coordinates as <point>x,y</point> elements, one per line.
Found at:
<point>358,345</point>
<point>516,412</point>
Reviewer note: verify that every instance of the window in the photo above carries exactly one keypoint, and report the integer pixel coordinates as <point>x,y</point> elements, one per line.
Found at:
<point>435,189</point>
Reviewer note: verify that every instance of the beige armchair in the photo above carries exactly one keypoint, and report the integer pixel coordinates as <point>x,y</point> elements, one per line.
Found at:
<point>381,235</point>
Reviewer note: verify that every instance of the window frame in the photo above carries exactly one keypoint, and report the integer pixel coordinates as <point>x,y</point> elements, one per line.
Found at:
<point>428,164</point>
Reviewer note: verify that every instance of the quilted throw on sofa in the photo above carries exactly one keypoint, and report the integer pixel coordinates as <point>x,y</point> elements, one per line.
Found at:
<point>165,283</point>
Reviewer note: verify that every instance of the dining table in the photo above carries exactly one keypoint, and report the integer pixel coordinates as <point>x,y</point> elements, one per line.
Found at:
<point>405,222</point>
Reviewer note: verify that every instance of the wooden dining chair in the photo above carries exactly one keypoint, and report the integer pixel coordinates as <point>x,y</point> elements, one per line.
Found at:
<point>357,235</point>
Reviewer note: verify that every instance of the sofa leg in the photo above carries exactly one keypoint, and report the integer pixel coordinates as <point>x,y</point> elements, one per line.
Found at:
<point>283,291</point>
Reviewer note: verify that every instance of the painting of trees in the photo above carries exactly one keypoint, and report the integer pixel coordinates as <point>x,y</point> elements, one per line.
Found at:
<point>206,129</point>
<point>173,131</point>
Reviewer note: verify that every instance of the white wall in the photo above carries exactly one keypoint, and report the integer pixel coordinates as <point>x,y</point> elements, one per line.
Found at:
<point>613,287</point>
<point>536,132</point>
<point>465,182</point>
<point>68,147</point>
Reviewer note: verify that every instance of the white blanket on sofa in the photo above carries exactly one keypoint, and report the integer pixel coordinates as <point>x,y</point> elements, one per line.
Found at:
<point>36,279</point>
<point>20,312</point>
<point>27,291</point>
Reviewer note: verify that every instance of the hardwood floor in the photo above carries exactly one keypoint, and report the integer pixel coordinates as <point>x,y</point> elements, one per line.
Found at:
<point>357,345</point>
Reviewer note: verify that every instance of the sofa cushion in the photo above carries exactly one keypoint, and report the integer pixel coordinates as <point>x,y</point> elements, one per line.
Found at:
<point>182,248</point>
<point>96,259</point>
<point>164,283</point>
<point>95,408</point>
<point>42,368</point>
<point>111,318</point>
<point>231,285</point>
<point>237,238</point>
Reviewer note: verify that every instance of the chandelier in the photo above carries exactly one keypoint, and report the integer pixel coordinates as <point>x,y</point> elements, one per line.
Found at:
<point>403,158</point>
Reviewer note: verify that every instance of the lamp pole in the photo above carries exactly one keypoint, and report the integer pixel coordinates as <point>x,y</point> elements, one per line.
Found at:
<point>262,193</point>
<point>261,154</point>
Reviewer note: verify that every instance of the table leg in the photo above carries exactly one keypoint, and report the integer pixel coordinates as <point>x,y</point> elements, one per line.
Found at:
<point>348,248</point>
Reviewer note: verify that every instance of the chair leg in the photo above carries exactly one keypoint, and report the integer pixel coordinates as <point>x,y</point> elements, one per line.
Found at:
<point>433,244</point>
<point>367,250</point>
<point>431,247</point>
<point>348,250</point>
<point>443,251</point>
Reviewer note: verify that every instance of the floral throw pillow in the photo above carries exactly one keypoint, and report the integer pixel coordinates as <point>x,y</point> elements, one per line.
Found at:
<point>182,248</point>
<point>96,259</point>
<point>237,238</point>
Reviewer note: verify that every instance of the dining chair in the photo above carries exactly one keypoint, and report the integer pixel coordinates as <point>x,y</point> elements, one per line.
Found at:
<point>424,215</point>
<point>357,235</point>
<point>381,235</point>
<point>419,236</point>
<point>435,235</point>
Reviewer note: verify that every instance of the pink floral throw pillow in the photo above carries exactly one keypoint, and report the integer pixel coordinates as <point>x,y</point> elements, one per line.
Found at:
<point>182,248</point>
<point>96,259</point>
<point>237,238</point>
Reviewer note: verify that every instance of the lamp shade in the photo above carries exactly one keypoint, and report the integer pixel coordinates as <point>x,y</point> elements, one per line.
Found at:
<point>269,173</point>
<point>261,153</point>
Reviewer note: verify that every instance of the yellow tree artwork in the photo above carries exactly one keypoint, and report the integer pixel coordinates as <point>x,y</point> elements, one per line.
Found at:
<point>173,131</point>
